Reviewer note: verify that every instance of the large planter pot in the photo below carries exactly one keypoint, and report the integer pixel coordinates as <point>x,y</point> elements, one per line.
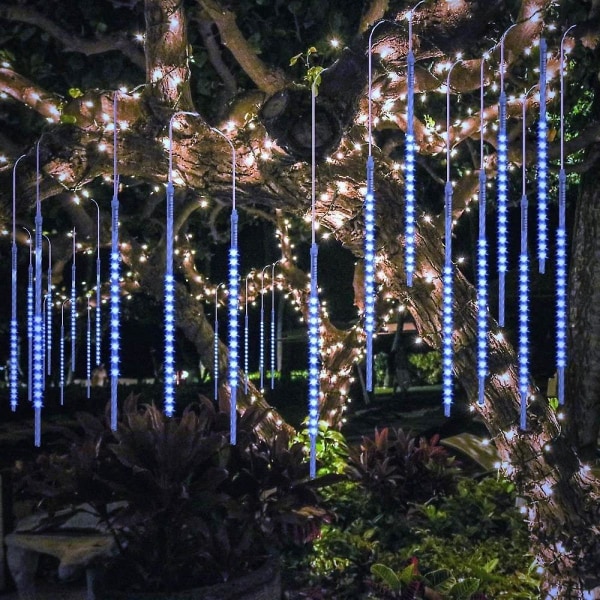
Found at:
<point>262,584</point>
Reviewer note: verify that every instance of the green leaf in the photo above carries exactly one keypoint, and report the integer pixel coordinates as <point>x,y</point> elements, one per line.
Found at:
<point>389,577</point>
<point>408,574</point>
<point>491,565</point>
<point>75,92</point>
<point>437,577</point>
<point>295,59</point>
<point>68,119</point>
<point>463,589</point>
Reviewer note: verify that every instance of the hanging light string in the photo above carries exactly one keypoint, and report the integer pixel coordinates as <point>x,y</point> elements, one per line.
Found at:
<point>524,283</point>
<point>216,346</point>
<point>62,352</point>
<point>482,251</point>
<point>542,164</point>
<point>115,289</point>
<point>261,349</point>
<point>73,303</point>
<point>561,242</point>
<point>313,302</point>
<point>502,188</point>
<point>38,317</point>
<point>169,282</point>
<point>273,337</point>
<point>44,356</point>
<point>14,327</point>
<point>369,212</point>
<point>233,292</point>
<point>49,310</point>
<point>98,289</point>
<point>409,160</point>
<point>246,337</point>
<point>447,279</point>
<point>30,302</point>
<point>88,349</point>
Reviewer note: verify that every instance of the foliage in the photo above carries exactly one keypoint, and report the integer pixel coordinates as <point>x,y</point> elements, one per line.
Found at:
<point>190,508</point>
<point>401,468</point>
<point>428,365</point>
<point>332,450</point>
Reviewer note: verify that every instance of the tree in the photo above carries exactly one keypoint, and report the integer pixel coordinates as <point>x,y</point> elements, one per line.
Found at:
<point>246,88</point>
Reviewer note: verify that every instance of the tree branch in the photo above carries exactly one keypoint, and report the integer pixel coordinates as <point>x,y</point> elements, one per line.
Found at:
<point>266,79</point>
<point>74,43</point>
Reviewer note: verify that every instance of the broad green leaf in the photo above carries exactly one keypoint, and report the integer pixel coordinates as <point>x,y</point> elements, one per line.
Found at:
<point>387,575</point>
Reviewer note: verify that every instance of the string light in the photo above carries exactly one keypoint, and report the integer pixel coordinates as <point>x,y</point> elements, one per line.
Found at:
<point>482,275</point>
<point>409,166</point>
<point>261,331</point>
<point>73,304</point>
<point>542,162</point>
<point>232,304</point>
<point>502,202</point>
<point>561,243</point>
<point>14,328</point>
<point>88,349</point>
<point>447,279</point>
<point>246,338</point>
<point>370,216</point>
<point>115,291</point>
<point>38,318</point>
<point>216,346</point>
<point>49,310</point>
<point>62,352</point>
<point>30,302</point>
<point>273,341</point>
<point>524,286</point>
<point>98,289</point>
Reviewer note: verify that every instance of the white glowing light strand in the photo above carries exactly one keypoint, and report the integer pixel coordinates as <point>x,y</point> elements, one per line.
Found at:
<point>13,377</point>
<point>409,159</point>
<point>273,337</point>
<point>44,355</point>
<point>447,278</point>
<point>98,289</point>
<point>38,317</point>
<point>88,349</point>
<point>542,164</point>
<point>369,215</point>
<point>73,304</point>
<point>49,310</point>
<point>246,338</point>
<point>115,288</point>
<point>261,331</point>
<point>169,284</point>
<point>61,374</point>
<point>561,244</point>
<point>482,274</point>
<point>502,191</point>
<point>233,291</point>
<point>216,346</point>
<point>524,286</point>
<point>30,309</point>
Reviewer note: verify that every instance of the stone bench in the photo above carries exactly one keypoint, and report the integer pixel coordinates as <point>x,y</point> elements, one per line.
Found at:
<point>78,545</point>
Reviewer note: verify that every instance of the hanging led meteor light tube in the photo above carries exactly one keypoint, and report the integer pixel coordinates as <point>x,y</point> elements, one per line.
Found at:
<point>73,304</point>
<point>542,164</point>
<point>44,312</point>
<point>261,331</point>
<point>313,304</point>
<point>273,338</point>
<point>13,377</point>
<point>98,289</point>
<point>482,250</point>
<point>216,345</point>
<point>38,316</point>
<point>49,310</point>
<point>233,291</point>
<point>448,273</point>
<point>409,159</point>
<point>30,302</point>
<point>246,338</point>
<point>524,286</point>
<point>62,352</point>
<point>369,212</point>
<point>88,349</point>
<point>115,288</point>
<point>169,283</point>
<point>561,243</point>
<point>502,184</point>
